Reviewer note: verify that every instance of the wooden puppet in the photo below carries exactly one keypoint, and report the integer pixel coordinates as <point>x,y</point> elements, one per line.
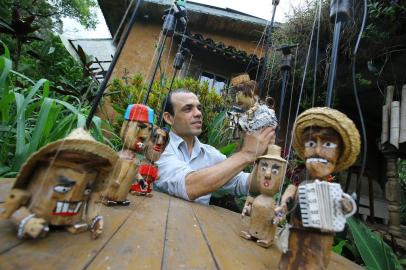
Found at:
<point>329,142</point>
<point>147,171</point>
<point>135,132</point>
<point>246,91</point>
<point>59,185</point>
<point>268,174</point>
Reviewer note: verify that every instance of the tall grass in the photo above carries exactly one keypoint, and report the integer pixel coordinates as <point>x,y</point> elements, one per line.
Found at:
<point>31,116</point>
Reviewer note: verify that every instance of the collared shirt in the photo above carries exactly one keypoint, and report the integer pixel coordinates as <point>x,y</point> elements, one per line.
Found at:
<point>176,163</point>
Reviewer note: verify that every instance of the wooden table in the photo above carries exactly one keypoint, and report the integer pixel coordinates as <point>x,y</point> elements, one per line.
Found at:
<point>160,232</point>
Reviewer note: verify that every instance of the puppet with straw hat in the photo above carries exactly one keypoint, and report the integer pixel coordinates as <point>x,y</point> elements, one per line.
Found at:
<point>329,142</point>
<point>57,183</point>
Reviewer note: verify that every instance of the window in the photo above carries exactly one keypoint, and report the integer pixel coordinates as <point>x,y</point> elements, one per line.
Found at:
<point>216,81</point>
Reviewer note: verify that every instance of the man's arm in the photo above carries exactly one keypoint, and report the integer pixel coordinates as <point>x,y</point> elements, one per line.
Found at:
<point>205,181</point>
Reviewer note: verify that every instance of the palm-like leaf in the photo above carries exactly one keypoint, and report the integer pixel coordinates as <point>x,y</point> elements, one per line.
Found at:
<point>375,253</point>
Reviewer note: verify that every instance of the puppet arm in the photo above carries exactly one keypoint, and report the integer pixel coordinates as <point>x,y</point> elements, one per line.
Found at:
<point>28,224</point>
<point>15,200</point>
<point>287,198</point>
<point>246,211</point>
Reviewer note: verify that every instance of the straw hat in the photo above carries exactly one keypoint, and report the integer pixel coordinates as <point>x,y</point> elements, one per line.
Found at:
<point>240,79</point>
<point>274,152</point>
<point>78,140</point>
<point>329,118</point>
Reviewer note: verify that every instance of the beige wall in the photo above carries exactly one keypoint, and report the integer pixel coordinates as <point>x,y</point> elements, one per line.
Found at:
<point>138,52</point>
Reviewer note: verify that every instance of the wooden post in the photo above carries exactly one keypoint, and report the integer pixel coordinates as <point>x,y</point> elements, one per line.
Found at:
<point>402,137</point>
<point>385,124</point>
<point>394,124</point>
<point>386,116</point>
<point>393,192</point>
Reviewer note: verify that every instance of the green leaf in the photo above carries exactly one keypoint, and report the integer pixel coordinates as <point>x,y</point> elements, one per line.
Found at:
<point>40,126</point>
<point>30,96</point>
<point>339,247</point>
<point>214,134</point>
<point>5,104</point>
<point>5,68</point>
<point>4,169</point>
<point>229,149</point>
<point>118,109</point>
<point>98,134</point>
<point>375,253</point>
<point>20,132</point>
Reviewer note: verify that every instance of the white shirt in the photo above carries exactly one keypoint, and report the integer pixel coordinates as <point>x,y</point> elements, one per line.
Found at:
<point>176,163</point>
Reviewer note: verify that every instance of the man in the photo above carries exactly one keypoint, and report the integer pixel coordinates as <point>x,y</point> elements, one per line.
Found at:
<point>192,170</point>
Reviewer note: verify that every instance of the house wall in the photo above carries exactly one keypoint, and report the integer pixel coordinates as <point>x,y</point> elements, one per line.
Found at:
<point>138,52</point>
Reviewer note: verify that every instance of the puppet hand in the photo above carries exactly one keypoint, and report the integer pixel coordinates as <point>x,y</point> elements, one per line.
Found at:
<point>34,227</point>
<point>246,211</point>
<point>280,214</point>
<point>346,205</point>
<point>96,228</point>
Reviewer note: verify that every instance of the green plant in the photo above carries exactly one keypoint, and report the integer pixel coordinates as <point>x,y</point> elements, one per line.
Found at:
<point>127,91</point>
<point>375,253</point>
<point>32,116</point>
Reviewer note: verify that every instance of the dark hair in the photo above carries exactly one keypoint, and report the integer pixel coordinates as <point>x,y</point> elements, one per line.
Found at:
<point>167,103</point>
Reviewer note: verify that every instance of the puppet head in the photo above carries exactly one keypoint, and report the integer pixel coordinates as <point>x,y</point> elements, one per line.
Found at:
<point>156,144</point>
<point>327,140</point>
<point>269,171</point>
<point>61,176</point>
<point>137,126</point>
<point>246,91</point>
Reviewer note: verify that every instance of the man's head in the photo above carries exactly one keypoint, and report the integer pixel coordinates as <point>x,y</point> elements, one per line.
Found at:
<point>183,112</point>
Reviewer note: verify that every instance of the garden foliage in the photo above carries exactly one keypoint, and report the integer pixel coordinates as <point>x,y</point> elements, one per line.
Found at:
<point>127,91</point>
<point>31,116</point>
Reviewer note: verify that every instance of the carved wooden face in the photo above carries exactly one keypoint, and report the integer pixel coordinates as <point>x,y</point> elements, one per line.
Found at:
<point>269,175</point>
<point>60,191</point>
<point>135,135</point>
<point>156,144</point>
<point>243,101</point>
<point>322,150</point>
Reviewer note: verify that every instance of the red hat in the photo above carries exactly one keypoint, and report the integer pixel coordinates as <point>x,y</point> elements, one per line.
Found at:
<point>140,113</point>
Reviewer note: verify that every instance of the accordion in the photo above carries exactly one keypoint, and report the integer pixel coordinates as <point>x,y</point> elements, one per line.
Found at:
<point>320,206</point>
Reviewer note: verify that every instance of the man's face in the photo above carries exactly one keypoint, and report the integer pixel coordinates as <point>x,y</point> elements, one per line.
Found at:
<point>156,144</point>
<point>135,134</point>
<point>322,150</point>
<point>269,176</point>
<point>187,119</point>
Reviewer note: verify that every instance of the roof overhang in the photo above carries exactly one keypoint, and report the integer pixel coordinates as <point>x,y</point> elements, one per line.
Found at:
<point>201,17</point>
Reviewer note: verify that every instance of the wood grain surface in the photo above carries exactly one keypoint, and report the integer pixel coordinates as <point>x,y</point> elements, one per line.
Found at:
<point>160,232</point>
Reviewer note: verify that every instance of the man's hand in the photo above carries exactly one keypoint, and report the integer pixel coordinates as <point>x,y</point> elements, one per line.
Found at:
<point>256,144</point>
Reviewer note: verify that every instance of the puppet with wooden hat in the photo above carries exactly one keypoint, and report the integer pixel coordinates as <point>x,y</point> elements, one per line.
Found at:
<point>58,185</point>
<point>267,177</point>
<point>147,171</point>
<point>135,133</point>
<point>329,142</point>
